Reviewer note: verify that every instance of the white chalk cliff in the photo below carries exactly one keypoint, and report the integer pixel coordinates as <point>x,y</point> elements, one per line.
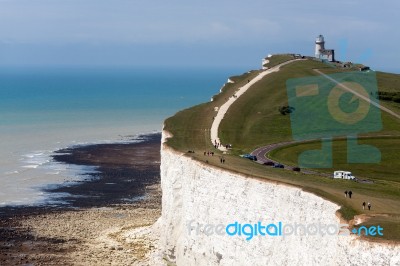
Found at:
<point>193,191</point>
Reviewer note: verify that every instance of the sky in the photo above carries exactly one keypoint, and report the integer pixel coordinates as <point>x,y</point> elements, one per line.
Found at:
<point>205,33</point>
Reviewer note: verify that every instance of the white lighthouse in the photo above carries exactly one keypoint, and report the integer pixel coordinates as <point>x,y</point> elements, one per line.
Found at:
<point>322,53</point>
<point>319,46</point>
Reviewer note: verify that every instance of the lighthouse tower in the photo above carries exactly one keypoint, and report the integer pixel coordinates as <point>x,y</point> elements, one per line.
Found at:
<point>319,46</point>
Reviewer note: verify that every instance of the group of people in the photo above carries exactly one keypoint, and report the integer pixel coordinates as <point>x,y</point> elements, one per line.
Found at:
<point>369,205</point>
<point>349,193</point>
<point>211,153</point>
<point>216,144</point>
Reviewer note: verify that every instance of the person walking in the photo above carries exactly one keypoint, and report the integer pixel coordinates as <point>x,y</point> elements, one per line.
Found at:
<point>369,206</point>
<point>345,194</point>
<point>350,193</point>
<point>363,205</point>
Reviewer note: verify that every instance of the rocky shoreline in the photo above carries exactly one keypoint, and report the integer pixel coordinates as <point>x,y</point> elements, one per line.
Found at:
<point>105,219</point>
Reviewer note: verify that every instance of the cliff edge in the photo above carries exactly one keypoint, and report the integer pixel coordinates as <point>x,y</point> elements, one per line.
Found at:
<point>200,202</point>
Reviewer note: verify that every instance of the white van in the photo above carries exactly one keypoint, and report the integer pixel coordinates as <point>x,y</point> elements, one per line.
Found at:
<point>343,175</point>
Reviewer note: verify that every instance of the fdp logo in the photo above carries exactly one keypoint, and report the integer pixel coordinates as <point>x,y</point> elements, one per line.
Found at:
<point>327,106</point>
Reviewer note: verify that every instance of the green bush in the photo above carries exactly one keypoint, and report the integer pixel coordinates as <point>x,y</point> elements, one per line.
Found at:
<point>385,97</point>
<point>286,110</point>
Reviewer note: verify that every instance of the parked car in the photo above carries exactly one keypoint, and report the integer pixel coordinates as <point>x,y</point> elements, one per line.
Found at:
<point>269,163</point>
<point>343,175</point>
<point>278,165</point>
<point>249,156</point>
<point>297,169</point>
<point>253,158</point>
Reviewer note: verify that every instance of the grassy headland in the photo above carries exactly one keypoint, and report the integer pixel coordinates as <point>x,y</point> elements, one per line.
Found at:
<point>254,120</point>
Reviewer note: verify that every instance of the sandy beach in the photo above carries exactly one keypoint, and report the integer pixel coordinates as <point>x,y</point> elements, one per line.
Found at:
<point>106,220</point>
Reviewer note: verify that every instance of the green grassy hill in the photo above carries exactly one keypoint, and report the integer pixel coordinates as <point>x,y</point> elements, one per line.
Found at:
<point>254,120</point>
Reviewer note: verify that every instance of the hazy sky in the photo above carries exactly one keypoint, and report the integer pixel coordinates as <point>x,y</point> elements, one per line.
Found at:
<point>194,33</point>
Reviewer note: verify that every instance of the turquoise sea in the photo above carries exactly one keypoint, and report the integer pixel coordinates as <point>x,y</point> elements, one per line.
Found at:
<point>45,109</point>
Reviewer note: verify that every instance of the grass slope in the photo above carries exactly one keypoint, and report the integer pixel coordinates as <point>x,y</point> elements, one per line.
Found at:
<point>254,121</point>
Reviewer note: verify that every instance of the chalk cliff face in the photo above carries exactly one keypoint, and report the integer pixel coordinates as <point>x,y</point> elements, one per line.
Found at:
<point>195,193</point>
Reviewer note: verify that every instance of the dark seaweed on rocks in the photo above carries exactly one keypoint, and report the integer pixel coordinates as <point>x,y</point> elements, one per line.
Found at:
<point>124,171</point>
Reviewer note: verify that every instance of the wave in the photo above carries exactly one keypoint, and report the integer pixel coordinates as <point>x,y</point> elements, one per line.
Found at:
<point>128,139</point>
<point>35,159</point>
<point>32,166</point>
<point>11,173</point>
